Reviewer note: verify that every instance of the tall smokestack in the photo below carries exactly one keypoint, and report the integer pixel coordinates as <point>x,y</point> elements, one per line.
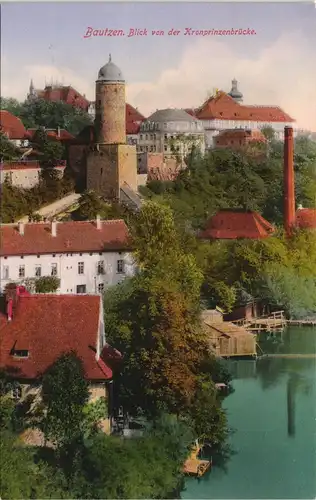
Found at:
<point>289,190</point>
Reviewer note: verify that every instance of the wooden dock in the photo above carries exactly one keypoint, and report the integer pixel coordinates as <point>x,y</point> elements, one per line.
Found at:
<point>194,466</point>
<point>275,322</point>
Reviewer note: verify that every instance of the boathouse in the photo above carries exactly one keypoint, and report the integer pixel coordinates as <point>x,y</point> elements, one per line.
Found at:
<point>225,338</point>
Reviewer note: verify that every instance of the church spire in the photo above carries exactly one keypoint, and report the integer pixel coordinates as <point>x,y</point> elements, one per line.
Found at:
<point>110,58</point>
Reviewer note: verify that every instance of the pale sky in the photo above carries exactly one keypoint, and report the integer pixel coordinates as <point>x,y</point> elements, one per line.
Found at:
<point>277,66</point>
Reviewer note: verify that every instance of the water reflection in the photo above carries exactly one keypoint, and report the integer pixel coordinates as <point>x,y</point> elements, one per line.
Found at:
<point>273,413</point>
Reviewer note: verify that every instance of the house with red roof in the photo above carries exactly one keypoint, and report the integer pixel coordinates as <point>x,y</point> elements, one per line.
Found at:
<point>222,111</point>
<point>35,330</point>
<point>234,224</point>
<point>238,138</point>
<point>25,174</point>
<point>57,92</point>
<point>12,127</point>
<point>86,256</point>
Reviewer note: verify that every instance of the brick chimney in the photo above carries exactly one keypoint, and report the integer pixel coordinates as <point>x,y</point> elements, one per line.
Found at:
<point>12,294</point>
<point>289,180</point>
<point>98,222</point>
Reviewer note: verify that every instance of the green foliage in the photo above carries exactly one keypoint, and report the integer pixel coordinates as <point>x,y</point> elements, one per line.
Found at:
<point>41,113</point>
<point>154,319</point>
<point>64,392</point>
<point>228,179</point>
<point>147,467</point>
<point>91,205</point>
<point>93,413</point>
<point>52,151</point>
<point>8,152</point>
<point>47,284</point>
<point>17,202</point>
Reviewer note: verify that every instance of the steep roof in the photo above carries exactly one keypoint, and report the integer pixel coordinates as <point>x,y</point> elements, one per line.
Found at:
<point>70,237</point>
<point>67,94</point>
<point>223,107</point>
<point>11,125</point>
<point>47,326</point>
<point>133,119</point>
<point>306,218</point>
<point>233,224</point>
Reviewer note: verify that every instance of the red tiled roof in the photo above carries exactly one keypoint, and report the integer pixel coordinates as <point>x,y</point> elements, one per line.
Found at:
<point>25,165</point>
<point>48,326</point>
<point>223,107</point>
<point>11,125</point>
<point>133,120</point>
<point>306,218</point>
<point>64,135</point>
<point>71,237</point>
<point>66,94</point>
<point>230,224</point>
<point>255,135</point>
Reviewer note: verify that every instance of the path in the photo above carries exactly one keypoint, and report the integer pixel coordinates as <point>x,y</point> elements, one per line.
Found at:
<point>56,207</point>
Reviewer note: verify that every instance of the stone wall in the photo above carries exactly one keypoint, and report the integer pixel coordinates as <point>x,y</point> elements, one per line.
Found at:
<point>127,165</point>
<point>102,171</point>
<point>110,116</point>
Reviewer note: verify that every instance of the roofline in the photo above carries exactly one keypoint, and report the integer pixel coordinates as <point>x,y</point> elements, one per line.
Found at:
<point>114,249</point>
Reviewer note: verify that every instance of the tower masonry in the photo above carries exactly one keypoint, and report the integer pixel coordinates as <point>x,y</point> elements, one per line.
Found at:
<point>111,163</point>
<point>110,109</point>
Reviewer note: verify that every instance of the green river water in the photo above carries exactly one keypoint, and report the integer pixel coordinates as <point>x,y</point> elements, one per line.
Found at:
<point>273,413</point>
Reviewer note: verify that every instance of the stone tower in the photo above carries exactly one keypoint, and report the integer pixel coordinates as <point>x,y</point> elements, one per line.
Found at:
<point>110,108</point>
<point>111,163</point>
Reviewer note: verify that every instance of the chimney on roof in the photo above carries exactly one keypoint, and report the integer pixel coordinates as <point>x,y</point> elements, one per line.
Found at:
<point>21,228</point>
<point>289,189</point>
<point>98,221</point>
<point>54,227</point>
<point>58,132</point>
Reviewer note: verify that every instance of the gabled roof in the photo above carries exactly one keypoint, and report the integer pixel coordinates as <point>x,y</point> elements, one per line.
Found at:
<point>251,135</point>
<point>231,224</point>
<point>47,326</point>
<point>223,107</point>
<point>79,236</point>
<point>306,218</point>
<point>11,125</point>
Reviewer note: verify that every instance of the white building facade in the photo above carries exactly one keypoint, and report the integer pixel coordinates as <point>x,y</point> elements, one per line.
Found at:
<point>25,174</point>
<point>91,270</point>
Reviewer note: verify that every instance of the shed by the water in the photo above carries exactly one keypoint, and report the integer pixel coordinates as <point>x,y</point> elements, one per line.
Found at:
<point>227,339</point>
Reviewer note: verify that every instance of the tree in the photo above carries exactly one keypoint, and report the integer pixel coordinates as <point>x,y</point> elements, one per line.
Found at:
<point>91,205</point>
<point>65,393</point>
<point>47,284</point>
<point>52,151</point>
<point>137,466</point>
<point>8,152</point>
<point>41,113</point>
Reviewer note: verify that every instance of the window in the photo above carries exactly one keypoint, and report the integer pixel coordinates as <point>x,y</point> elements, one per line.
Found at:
<point>166,148</point>
<point>120,266</point>
<point>141,137</point>
<point>17,392</point>
<point>22,353</point>
<point>5,272</point>
<point>81,288</point>
<point>80,267</point>
<point>21,271</point>
<point>101,267</point>
<point>38,271</point>
<point>53,271</point>
<point>101,287</point>
<point>146,137</point>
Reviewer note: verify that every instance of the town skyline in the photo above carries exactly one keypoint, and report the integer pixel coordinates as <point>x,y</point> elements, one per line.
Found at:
<point>168,71</point>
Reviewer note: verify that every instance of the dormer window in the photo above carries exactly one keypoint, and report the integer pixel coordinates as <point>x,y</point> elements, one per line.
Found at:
<point>20,353</point>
